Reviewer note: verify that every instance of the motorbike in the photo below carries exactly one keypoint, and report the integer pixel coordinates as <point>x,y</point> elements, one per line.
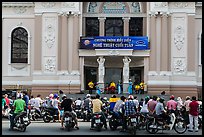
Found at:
<point>35,114</point>
<point>200,117</point>
<point>21,121</point>
<point>155,123</point>
<point>6,113</point>
<point>49,115</point>
<point>114,120</point>
<point>86,114</point>
<point>98,122</point>
<point>78,112</point>
<point>68,121</point>
<point>133,124</point>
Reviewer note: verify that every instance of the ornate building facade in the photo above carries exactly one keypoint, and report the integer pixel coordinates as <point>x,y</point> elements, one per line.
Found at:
<point>41,46</point>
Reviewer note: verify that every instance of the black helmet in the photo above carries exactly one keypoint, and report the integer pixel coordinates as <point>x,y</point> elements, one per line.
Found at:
<point>161,100</point>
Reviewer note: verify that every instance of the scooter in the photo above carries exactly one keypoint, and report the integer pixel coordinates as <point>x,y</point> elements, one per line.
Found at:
<point>98,123</point>
<point>21,121</point>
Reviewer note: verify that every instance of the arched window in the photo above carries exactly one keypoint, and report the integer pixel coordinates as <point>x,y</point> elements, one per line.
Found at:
<point>19,45</point>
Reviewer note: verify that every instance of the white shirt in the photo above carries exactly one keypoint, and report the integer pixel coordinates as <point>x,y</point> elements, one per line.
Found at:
<point>38,102</point>
<point>55,103</point>
<point>144,108</point>
<point>32,102</point>
<point>136,102</point>
<point>78,102</point>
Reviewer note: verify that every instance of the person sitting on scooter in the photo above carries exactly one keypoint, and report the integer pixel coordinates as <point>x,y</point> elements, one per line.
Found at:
<point>97,106</point>
<point>161,112</point>
<point>18,107</point>
<point>129,109</point>
<point>118,108</point>
<point>66,104</point>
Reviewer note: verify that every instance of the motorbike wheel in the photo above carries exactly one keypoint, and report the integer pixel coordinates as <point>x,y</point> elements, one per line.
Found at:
<point>46,119</point>
<point>98,128</point>
<point>33,117</point>
<point>134,129</point>
<point>180,126</point>
<point>112,124</point>
<point>199,122</point>
<point>23,128</point>
<point>68,127</point>
<point>152,127</point>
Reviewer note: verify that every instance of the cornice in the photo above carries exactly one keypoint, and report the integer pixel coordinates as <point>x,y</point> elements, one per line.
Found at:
<point>18,4</point>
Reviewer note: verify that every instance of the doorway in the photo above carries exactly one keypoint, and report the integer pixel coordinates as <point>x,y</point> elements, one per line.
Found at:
<point>113,74</point>
<point>90,74</point>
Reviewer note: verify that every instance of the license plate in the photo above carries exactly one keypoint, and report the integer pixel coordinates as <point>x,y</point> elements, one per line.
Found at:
<point>109,116</point>
<point>133,120</point>
<point>25,119</point>
<point>66,119</point>
<point>97,120</point>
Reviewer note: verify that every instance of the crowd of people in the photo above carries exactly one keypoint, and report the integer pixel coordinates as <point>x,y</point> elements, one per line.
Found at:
<point>122,106</point>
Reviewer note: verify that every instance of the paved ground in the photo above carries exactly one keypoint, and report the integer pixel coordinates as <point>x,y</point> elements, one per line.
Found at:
<point>41,128</point>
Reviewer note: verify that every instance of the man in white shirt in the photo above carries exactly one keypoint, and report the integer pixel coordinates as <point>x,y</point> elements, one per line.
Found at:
<point>37,104</point>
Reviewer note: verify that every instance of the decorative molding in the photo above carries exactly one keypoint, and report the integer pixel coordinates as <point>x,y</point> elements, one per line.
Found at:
<point>181,4</point>
<point>18,4</point>
<point>48,4</point>
<point>50,64</point>
<point>92,7</point>
<point>136,7</point>
<point>160,4</point>
<point>68,5</point>
<point>18,66</point>
<point>19,10</point>
<point>114,52</point>
<point>179,65</point>
<point>50,32</point>
<point>179,38</point>
<point>152,73</point>
<point>114,7</point>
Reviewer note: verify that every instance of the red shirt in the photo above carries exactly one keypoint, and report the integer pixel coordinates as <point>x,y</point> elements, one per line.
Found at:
<point>171,104</point>
<point>193,108</point>
<point>7,101</point>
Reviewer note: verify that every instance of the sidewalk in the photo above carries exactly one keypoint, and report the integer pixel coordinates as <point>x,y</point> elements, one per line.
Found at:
<point>139,96</point>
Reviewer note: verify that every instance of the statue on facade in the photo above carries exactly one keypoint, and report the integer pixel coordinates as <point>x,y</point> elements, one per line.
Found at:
<point>126,62</point>
<point>101,68</point>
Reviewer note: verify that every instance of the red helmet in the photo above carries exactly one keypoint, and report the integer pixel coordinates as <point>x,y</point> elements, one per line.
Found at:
<point>172,97</point>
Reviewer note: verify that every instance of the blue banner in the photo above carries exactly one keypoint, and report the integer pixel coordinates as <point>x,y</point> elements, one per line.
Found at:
<point>114,42</point>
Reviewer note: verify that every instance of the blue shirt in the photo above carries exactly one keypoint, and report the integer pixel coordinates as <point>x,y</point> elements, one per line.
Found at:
<point>129,107</point>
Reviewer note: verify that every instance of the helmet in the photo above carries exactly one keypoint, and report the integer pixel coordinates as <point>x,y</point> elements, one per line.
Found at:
<point>130,97</point>
<point>55,95</point>
<point>161,100</point>
<point>147,97</point>
<point>105,99</point>
<point>51,96</point>
<point>20,95</point>
<point>172,97</point>
<point>187,97</point>
<point>88,95</point>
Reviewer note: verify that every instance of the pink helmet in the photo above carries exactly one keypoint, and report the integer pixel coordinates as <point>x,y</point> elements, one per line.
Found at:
<point>172,97</point>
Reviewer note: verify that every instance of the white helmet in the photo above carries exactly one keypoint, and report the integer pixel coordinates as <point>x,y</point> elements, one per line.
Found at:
<point>88,95</point>
<point>51,95</point>
<point>130,97</point>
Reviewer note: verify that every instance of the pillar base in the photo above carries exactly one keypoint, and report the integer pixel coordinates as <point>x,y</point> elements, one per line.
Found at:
<point>125,87</point>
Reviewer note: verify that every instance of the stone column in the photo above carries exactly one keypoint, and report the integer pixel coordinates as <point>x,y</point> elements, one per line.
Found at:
<point>164,44</point>
<point>152,58</point>
<point>64,42</point>
<point>126,25</point>
<point>81,59</point>
<point>126,61</point>
<point>101,26</point>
